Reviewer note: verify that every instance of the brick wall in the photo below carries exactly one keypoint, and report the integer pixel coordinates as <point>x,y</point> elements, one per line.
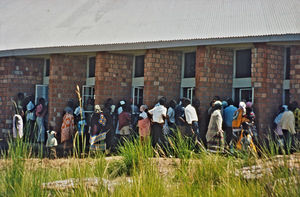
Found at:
<point>214,70</point>
<point>162,75</point>
<point>17,74</point>
<point>66,71</point>
<point>113,77</point>
<point>267,80</point>
<point>295,74</point>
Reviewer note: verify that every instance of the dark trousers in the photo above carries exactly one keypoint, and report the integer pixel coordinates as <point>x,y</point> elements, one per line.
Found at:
<point>157,135</point>
<point>228,133</point>
<point>289,142</point>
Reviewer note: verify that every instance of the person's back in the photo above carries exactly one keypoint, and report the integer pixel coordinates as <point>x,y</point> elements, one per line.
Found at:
<point>179,113</point>
<point>287,122</point>
<point>228,115</point>
<point>124,119</point>
<point>158,113</point>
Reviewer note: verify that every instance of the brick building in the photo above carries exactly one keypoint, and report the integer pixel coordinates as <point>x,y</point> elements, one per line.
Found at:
<point>146,49</point>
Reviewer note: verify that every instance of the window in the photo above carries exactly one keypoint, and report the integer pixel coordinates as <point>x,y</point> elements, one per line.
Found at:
<point>286,97</point>
<point>188,92</point>
<point>287,63</point>
<point>91,67</point>
<point>189,65</point>
<point>243,94</point>
<point>243,63</point>
<point>41,91</point>
<point>88,98</point>
<point>139,66</point>
<point>138,93</point>
<point>47,68</point>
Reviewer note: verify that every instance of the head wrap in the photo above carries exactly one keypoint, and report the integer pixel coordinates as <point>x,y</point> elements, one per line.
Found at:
<point>217,103</point>
<point>249,104</point>
<point>98,109</point>
<point>224,104</point>
<point>242,105</point>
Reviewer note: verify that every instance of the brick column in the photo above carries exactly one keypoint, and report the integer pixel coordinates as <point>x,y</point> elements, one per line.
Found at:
<point>113,77</point>
<point>295,74</point>
<point>17,74</point>
<point>66,71</point>
<point>162,75</point>
<point>214,70</point>
<point>267,80</point>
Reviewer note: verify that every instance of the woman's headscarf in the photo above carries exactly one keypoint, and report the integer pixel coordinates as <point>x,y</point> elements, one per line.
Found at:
<point>98,109</point>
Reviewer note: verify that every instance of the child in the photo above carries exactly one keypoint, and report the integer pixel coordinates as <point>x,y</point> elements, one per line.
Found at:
<point>144,123</point>
<point>51,143</point>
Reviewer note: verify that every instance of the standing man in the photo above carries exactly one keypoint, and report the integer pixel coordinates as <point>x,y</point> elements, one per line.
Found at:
<point>159,114</point>
<point>191,118</point>
<point>228,117</point>
<point>287,124</point>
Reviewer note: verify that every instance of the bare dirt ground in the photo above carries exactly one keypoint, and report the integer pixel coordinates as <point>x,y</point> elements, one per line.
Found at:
<point>165,166</point>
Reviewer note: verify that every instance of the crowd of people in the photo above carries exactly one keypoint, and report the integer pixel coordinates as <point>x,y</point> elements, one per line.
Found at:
<point>109,126</point>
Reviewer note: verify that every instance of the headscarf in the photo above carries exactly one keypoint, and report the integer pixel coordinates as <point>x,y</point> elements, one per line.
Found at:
<point>217,104</point>
<point>278,118</point>
<point>242,105</point>
<point>98,109</point>
<point>249,104</point>
<point>224,104</point>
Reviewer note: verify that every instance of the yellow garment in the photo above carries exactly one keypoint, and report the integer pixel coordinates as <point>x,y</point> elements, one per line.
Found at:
<point>238,118</point>
<point>297,119</point>
<point>239,144</point>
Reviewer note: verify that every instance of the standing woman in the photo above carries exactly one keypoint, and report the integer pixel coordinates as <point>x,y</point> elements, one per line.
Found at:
<point>40,114</point>
<point>99,128</point>
<point>67,130</point>
<point>214,135</point>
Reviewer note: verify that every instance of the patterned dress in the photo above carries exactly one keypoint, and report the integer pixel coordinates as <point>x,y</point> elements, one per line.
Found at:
<point>99,130</point>
<point>214,136</point>
<point>67,128</point>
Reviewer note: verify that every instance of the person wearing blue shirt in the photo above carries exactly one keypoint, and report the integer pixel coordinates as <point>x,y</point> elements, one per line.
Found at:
<point>228,117</point>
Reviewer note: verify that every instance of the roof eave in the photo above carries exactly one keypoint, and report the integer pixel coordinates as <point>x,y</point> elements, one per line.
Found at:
<point>149,45</point>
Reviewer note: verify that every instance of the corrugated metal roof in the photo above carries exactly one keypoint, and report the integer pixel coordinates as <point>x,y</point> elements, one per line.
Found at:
<point>29,24</point>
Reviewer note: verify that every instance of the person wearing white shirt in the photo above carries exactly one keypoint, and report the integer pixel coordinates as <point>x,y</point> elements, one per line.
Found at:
<point>159,114</point>
<point>30,120</point>
<point>191,118</point>
<point>287,123</point>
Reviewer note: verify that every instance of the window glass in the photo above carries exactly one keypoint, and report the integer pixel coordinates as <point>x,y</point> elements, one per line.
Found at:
<point>286,97</point>
<point>188,92</point>
<point>139,66</point>
<point>88,94</point>
<point>92,62</point>
<point>243,63</point>
<point>47,71</point>
<point>41,91</point>
<point>287,63</point>
<point>243,94</point>
<point>138,95</point>
<point>189,65</point>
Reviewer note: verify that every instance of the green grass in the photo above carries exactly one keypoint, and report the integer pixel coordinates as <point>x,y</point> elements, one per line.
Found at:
<point>195,173</point>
